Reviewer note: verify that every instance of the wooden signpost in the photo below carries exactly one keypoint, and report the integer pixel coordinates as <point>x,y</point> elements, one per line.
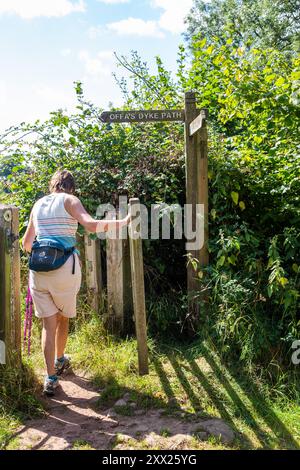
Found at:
<point>196,175</point>
<point>196,193</point>
<point>198,122</point>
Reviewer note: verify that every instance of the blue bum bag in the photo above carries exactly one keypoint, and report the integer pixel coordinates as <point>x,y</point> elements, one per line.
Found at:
<point>49,255</point>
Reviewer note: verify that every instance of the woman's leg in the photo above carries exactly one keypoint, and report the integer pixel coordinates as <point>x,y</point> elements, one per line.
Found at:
<point>61,338</point>
<point>48,342</point>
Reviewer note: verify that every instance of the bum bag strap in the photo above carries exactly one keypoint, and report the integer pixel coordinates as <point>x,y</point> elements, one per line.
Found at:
<point>73,269</point>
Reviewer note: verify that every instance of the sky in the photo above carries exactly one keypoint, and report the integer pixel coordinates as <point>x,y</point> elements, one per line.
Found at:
<point>46,45</point>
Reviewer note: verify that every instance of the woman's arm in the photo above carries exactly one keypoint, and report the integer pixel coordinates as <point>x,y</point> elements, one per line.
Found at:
<point>29,236</point>
<point>75,208</point>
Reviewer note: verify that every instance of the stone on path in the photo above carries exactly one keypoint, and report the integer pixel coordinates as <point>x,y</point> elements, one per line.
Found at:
<point>120,402</point>
<point>219,429</point>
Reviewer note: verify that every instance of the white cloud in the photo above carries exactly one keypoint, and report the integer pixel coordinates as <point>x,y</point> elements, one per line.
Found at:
<point>175,11</point>
<point>99,66</point>
<point>171,20</point>
<point>28,9</point>
<point>136,27</point>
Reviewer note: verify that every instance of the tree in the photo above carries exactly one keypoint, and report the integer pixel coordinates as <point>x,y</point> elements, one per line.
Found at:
<point>266,23</point>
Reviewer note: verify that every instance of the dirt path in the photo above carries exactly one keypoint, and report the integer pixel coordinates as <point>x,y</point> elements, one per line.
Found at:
<point>73,420</point>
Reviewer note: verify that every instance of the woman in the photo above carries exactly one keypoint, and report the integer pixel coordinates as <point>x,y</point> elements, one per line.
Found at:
<point>55,218</point>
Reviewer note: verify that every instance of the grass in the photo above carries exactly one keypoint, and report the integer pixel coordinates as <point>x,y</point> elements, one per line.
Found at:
<point>18,391</point>
<point>184,380</point>
<point>82,445</point>
<point>165,432</point>
<point>124,410</point>
<point>13,444</point>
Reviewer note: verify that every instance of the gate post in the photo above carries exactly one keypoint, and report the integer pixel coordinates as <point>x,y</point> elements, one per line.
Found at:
<point>196,193</point>
<point>10,308</point>
<point>93,271</point>
<point>118,319</point>
<point>138,284</point>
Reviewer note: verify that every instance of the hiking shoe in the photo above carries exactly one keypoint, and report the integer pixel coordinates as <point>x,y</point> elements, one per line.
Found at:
<point>50,384</point>
<point>61,365</point>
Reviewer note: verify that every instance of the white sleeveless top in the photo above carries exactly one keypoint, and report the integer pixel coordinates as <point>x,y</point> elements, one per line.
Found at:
<point>52,221</point>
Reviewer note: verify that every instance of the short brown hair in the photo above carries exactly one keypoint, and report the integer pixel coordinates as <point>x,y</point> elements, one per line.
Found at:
<point>62,180</point>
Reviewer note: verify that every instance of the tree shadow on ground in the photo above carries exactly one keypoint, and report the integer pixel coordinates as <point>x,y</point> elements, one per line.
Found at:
<point>228,397</point>
<point>250,389</point>
<point>194,399</point>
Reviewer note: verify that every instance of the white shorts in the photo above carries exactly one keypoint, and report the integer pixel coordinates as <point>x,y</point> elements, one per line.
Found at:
<point>56,291</point>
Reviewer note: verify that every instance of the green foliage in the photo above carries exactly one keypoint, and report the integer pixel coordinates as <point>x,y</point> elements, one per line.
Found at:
<point>166,313</point>
<point>253,98</point>
<point>267,23</point>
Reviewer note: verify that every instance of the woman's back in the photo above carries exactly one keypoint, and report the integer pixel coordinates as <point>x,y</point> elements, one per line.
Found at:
<point>53,222</point>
